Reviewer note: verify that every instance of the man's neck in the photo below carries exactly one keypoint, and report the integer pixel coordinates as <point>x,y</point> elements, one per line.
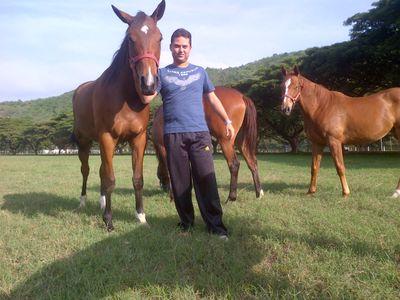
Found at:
<point>181,65</point>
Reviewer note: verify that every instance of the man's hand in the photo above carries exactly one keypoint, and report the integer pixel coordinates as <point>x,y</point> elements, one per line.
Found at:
<point>147,99</point>
<point>230,131</point>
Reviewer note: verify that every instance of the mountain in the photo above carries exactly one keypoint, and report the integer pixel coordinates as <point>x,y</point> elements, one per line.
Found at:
<point>39,110</point>
<point>42,110</point>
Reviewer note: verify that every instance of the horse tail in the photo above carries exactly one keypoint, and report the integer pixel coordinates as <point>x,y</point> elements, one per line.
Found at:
<point>249,126</point>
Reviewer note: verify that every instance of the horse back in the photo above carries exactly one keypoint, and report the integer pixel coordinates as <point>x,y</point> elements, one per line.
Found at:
<point>362,120</point>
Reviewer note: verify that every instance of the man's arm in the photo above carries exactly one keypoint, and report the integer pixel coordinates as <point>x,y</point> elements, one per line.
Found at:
<point>220,110</point>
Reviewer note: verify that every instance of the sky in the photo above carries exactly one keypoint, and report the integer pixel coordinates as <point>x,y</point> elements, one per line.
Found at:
<point>49,47</point>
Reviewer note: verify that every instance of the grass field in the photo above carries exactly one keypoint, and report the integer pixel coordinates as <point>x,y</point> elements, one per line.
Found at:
<point>285,245</point>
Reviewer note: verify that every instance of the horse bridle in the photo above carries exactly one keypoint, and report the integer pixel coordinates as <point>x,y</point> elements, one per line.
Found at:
<point>296,98</point>
<point>137,58</point>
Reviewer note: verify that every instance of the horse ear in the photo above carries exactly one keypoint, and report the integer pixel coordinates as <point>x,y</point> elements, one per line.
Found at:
<point>159,11</point>
<point>126,18</point>
<point>296,70</point>
<point>283,70</point>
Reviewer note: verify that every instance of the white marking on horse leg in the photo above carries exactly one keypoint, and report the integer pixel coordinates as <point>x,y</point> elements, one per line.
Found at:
<point>82,201</point>
<point>102,202</point>
<point>141,217</point>
<point>144,29</point>
<point>261,194</point>
<point>396,194</point>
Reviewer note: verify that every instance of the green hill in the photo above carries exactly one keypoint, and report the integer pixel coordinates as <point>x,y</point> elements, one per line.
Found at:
<point>39,110</point>
<point>42,110</point>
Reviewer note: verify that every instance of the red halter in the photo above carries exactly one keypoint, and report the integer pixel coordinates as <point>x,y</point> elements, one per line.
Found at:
<point>135,59</point>
<point>296,98</point>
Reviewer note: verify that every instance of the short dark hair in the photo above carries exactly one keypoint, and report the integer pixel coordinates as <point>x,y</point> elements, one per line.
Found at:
<point>182,32</point>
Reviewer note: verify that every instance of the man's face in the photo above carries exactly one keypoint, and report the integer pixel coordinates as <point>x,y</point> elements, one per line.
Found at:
<point>180,49</point>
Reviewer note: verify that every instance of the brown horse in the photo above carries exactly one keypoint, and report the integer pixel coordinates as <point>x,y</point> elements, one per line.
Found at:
<point>242,112</point>
<point>110,109</point>
<point>334,119</point>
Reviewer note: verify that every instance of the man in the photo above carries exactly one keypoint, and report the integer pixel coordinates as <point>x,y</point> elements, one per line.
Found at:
<point>186,137</point>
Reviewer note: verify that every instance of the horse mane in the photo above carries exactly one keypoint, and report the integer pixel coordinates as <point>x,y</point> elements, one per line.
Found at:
<point>321,92</point>
<point>120,56</point>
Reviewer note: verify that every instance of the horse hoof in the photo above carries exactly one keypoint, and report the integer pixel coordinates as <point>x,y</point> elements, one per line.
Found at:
<point>309,193</point>
<point>261,194</point>
<point>396,194</point>
<point>82,201</point>
<point>141,217</point>
<point>109,224</point>
<point>230,199</point>
<point>110,227</point>
<point>102,202</point>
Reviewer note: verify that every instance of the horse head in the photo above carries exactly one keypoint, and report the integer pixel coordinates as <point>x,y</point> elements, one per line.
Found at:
<point>291,89</point>
<point>144,42</point>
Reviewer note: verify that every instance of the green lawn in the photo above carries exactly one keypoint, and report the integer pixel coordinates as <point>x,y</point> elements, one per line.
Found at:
<point>285,245</point>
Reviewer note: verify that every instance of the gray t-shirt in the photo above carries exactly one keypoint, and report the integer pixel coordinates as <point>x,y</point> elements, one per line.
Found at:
<point>182,92</point>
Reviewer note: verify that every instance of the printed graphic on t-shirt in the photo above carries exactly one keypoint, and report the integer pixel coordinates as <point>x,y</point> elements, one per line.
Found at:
<point>183,83</point>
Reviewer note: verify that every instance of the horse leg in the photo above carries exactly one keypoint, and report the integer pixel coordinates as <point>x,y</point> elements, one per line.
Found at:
<point>107,147</point>
<point>315,164</point>
<point>138,145</point>
<point>162,170</point>
<point>397,191</point>
<point>233,164</point>
<point>251,162</point>
<point>83,153</point>
<point>337,156</point>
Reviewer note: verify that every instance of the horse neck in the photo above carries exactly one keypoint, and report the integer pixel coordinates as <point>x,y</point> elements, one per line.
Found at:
<point>313,97</point>
<point>119,75</point>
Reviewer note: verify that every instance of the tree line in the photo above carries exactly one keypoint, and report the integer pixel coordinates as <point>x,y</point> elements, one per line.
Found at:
<point>367,63</point>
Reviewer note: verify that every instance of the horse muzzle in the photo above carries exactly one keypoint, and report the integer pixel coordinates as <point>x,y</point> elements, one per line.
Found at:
<point>148,84</point>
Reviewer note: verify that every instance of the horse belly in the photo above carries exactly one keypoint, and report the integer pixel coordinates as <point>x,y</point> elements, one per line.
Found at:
<point>367,131</point>
<point>84,126</point>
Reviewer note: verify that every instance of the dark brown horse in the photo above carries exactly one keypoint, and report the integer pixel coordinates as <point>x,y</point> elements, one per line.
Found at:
<point>242,112</point>
<point>110,110</point>
<point>334,119</point>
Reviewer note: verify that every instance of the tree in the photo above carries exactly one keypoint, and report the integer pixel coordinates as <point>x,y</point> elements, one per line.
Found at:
<point>369,62</point>
<point>60,130</point>
<point>11,136</point>
<point>266,94</point>
<point>36,137</point>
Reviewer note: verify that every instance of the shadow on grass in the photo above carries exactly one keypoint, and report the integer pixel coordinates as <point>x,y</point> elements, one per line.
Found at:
<point>147,192</point>
<point>32,204</point>
<point>157,262</point>
<point>160,262</point>
<point>274,187</point>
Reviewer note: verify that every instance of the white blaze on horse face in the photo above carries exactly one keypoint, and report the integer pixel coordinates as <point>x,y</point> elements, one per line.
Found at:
<point>144,29</point>
<point>149,78</point>
<point>287,85</point>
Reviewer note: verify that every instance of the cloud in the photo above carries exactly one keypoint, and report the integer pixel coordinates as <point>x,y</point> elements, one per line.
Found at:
<point>49,47</point>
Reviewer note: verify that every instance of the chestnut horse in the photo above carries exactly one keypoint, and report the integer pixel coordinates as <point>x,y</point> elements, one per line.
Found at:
<point>334,119</point>
<point>109,110</point>
<point>242,112</point>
